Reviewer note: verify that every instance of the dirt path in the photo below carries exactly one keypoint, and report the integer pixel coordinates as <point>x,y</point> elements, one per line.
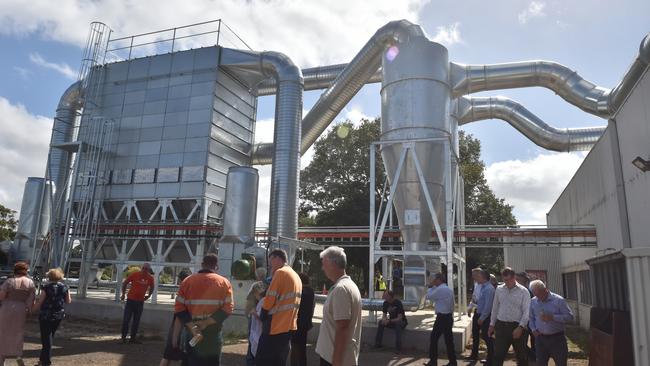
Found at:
<point>81,343</point>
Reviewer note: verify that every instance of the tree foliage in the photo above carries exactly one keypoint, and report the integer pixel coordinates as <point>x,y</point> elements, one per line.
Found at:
<point>8,223</point>
<point>334,191</point>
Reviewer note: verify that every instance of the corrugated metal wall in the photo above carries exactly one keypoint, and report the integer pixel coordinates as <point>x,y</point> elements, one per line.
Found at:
<point>542,259</point>
<point>638,273</point>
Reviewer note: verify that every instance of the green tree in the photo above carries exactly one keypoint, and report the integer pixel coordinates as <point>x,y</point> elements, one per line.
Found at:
<point>482,207</point>
<point>334,192</point>
<point>8,223</point>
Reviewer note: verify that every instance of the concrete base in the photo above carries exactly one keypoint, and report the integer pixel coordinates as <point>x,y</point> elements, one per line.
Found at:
<point>156,320</point>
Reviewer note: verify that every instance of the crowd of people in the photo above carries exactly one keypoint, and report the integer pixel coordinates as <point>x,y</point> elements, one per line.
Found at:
<point>280,307</point>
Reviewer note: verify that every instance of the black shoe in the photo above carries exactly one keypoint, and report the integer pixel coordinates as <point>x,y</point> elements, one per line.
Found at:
<point>471,358</point>
<point>135,341</point>
<point>377,346</point>
<point>123,341</point>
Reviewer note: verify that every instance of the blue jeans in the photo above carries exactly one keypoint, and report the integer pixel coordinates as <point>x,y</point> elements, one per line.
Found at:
<point>132,309</point>
<point>48,328</point>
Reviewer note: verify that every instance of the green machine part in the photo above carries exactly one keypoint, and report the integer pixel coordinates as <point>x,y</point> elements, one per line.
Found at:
<point>244,268</point>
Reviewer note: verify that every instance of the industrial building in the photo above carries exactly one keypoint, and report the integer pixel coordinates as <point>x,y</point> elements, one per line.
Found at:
<point>152,156</point>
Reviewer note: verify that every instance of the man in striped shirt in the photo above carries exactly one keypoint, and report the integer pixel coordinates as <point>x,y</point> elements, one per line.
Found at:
<point>509,318</point>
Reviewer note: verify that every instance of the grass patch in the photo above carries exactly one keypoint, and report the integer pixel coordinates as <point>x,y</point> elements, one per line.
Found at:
<point>578,341</point>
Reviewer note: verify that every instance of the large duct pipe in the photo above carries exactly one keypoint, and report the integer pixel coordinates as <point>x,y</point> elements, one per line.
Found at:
<point>319,77</point>
<point>548,137</point>
<point>285,175</point>
<point>602,102</point>
<point>348,83</point>
<point>62,132</point>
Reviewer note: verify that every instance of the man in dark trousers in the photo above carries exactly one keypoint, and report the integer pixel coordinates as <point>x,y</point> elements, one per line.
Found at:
<point>485,311</point>
<point>476,329</point>
<point>443,298</point>
<point>305,315</point>
<point>394,318</point>
<point>141,287</point>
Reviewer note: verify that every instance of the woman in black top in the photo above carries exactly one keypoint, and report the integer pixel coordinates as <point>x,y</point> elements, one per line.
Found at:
<point>305,314</point>
<point>51,304</point>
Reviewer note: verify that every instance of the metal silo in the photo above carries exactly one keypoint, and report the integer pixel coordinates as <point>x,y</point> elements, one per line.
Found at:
<point>34,217</point>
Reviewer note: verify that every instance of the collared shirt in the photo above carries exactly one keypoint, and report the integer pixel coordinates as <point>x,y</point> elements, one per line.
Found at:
<point>476,294</point>
<point>511,305</point>
<point>343,303</point>
<point>554,305</point>
<point>443,298</point>
<point>485,301</point>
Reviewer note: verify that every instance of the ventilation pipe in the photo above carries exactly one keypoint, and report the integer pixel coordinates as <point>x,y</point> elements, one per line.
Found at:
<point>573,88</point>
<point>347,84</point>
<point>285,175</point>
<point>531,126</point>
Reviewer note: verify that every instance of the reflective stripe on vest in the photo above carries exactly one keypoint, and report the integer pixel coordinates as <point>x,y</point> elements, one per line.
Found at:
<point>181,300</point>
<point>285,307</point>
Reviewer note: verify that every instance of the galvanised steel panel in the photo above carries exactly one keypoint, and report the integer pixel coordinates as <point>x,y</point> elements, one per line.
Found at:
<point>174,132</point>
<point>224,111</point>
<point>205,88</point>
<point>200,115</point>
<point>178,105</point>
<point>180,91</point>
<point>201,101</point>
<point>129,110</point>
<point>156,94</point>
<point>209,75</point>
<point>147,161</point>
<point>160,65</point>
<point>197,130</point>
<point>157,107</point>
<point>170,160</point>
<point>231,126</point>
<point>180,79</point>
<point>227,153</point>
<point>638,272</point>
<point>134,97</point>
<point>218,163</point>
<point>136,85</point>
<point>194,158</point>
<point>123,162</point>
<point>205,57</point>
<point>121,191</point>
<point>172,146</point>
<point>168,175</point>
<point>128,135</point>
<point>176,118</point>
<point>122,176</point>
<point>143,191</point>
<point>149,148</point>
<point>158,83</point>
<point>232,141</point>
<point>183,61</point>
<point>138,68</point>
<point>153,120</point>
<point>216,177</point>
<point>193,173</point>
<point>215,192</point>
<point>168,190</point>
<point>196,144</point>
<point>116,71</point>
<point>151,134</point>
<point>192,189</point>
<point>144,176</point>
<point>128,149</point>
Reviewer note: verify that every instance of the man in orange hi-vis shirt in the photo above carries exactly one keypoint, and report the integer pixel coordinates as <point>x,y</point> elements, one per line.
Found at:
<point>141,287</point>
<point>279,312</point>
<point>207,298</point>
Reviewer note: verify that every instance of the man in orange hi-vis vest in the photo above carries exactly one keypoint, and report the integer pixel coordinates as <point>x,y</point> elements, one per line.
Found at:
<point>207,298</point>
<point>279,312</point>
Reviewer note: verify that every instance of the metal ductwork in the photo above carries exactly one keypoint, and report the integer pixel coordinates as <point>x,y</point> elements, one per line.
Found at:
<point>348,82</point>
<point>62,132</point>
<point>283,215</point>
<point>531,126</point>
<point>599,101</point>
<point>316,78</point>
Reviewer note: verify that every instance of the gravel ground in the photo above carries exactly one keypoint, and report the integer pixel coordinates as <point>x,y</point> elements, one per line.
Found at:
<point>81,342</point>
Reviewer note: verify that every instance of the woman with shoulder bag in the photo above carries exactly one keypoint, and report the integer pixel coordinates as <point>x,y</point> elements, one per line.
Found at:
<point>51,303</point>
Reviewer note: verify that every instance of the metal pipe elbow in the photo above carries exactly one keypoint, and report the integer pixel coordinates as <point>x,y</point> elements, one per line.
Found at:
<point>72,98</point>
<point>280,67</point>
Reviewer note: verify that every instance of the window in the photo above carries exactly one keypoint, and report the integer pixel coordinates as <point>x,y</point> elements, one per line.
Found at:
<point>585,287</point>
<point>570,286</point>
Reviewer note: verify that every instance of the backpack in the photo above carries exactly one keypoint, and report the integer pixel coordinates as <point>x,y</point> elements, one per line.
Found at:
<point>53,306</point>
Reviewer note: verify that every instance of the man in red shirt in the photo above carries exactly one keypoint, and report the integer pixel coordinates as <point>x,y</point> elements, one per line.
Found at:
<point>141,287</point>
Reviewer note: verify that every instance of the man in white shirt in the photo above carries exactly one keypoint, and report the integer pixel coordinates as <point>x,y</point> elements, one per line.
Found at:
<point>339,338</point>
<point>443,298</point>
<point>509,319</point>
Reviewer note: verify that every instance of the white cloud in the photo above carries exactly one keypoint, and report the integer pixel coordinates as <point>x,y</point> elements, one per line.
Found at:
<point>23,72</point>
<point>312,32</point>
<point>535,10</point>
<point>23,150</point>
<point>532,186</point>
<point>448,35</point>
<point>62,69</point>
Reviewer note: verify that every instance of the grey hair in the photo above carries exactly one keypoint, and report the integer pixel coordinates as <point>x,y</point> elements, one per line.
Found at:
<point>537,284</point>
<point>260,273</point>
<point>336,255</point>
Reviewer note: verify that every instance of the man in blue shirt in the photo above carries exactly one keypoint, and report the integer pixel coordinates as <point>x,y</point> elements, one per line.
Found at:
<point>484,311</point>
<point>443,298</point>
<point>549,314</point>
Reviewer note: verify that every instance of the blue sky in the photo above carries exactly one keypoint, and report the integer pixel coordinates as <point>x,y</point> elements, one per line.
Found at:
<point>43,43</point>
